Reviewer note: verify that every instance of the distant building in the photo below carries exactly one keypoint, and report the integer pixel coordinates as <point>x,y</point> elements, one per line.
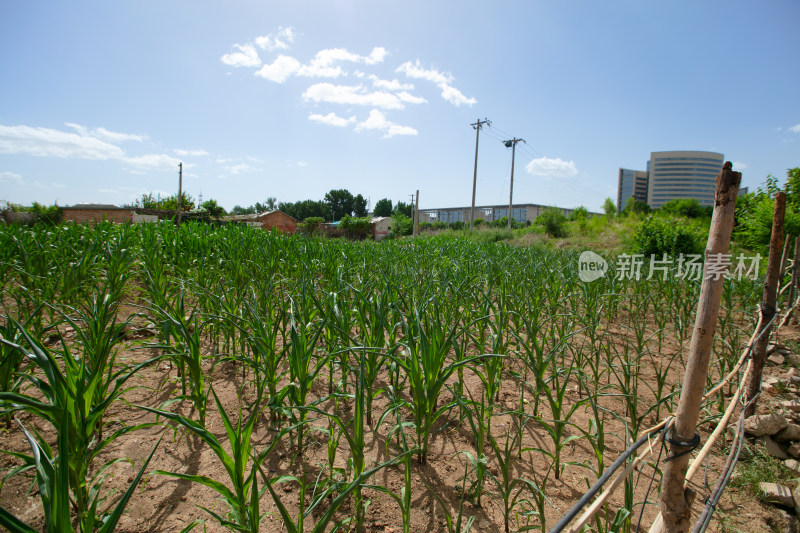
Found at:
<point>520,212</point>
<point>675,175</point>
<point>683,175</point>
<point>632,184</point>
<point>266,220</point>
<point>380,227</point>
<point>94,213</point>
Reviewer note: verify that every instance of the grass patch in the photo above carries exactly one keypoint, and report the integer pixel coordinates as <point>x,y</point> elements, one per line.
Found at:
<point>755,466</point>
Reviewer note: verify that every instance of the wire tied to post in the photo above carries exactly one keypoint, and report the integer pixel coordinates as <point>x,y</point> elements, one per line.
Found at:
<point>690,445</point>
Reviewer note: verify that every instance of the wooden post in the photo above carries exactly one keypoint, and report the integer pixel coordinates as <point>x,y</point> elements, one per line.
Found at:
<point>180,193</point>
<point>674,501</point>
<point>768,303</point>
<point>416,214</point>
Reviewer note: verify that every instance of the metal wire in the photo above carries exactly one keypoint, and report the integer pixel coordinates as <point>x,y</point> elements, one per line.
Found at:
<point>586,498</point>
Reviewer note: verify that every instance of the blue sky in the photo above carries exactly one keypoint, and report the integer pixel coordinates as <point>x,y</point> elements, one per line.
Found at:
<point>100,101</point>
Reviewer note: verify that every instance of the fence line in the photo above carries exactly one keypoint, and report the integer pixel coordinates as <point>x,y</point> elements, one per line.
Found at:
<point>564,525</point>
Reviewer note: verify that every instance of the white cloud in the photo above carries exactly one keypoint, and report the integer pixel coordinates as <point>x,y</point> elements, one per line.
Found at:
<point>241,168</point>
<point>441,79</point>
<point>393,85</point>
<point>331,119</point>
<point>280,69</point>
<point>795,128</point>
<point>84,144</point>
<point>324,64</point>
<point>280,41</point>
<point>554,168</point>
<point>352,95</point>
<point>10,176</point>
<point>46,142</point>
<point>114,137</point>
<point>378,121</point>
<point>154,162</point>
<point>104,134</point>
<point>454,96</point>
<point>245,57</point>
<point>410,98</point>
<point>414,70</point>
<point>738,165</point>
<point>192,153</point>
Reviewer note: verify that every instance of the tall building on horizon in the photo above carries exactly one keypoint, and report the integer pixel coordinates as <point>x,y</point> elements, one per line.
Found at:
<point>632,184</point>
<point>681,175</point>
<point>674,175</point>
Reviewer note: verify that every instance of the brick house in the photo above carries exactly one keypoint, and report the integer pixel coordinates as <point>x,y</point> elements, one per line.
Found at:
<point>94,213</point>
<point>267,220</point>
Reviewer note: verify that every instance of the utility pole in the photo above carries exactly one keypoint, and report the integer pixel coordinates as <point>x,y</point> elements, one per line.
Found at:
<point>416,215</point>
<point>511,143</point>
<point>180,192</point>
<point>477,127</point>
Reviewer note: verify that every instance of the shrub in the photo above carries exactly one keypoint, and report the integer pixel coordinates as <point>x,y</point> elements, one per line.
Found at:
<point>311,225</point>
<point>580,213</point>
<point>553,221</point>
<point>401,224</point>
<point>356,228</point>
<point>686,207</point>
<point>662,235</point>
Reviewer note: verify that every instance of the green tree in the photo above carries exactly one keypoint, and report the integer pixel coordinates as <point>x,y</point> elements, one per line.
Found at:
<point>610,208</point>
<point>211,207</point>
<point>306,208</point>
<point>404,208</point>
<point>169,203</point>
<point>239,210</point>
<point>383,208</point>
<point>360,206</point>
<point>340,202</point>
<point>754,212</point>
<point>268,205</point>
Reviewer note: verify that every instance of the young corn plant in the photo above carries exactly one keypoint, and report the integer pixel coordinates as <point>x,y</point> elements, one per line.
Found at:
<point>242,465</point>
<point>66,399</point>
<point>53,481</point>
<point>373,318</point>
<point>186,350</point>
<point>555,392</point>
<point>342,491</point>
<point>428,336</point>
<point>455,524</point>
<point>511,489</point>
<point>11,359</point>
<point>353,432</point>
<point>304,365</point>
<point>478,418</point>
<point>98,333</point>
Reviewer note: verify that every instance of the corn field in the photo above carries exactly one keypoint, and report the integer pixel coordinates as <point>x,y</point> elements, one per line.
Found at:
<point>157,378</point>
